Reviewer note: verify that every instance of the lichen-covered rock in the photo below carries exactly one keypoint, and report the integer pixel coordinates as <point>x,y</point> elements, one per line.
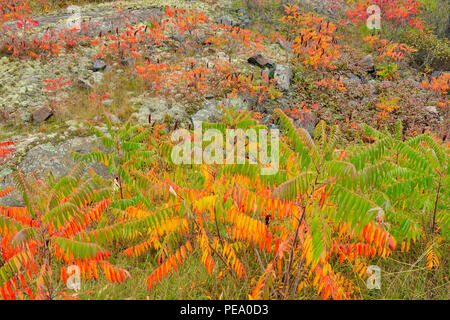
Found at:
<point>43,158</point>
<point>284,75</point>
<point>431,109</point>
<point>161,111</point>
<point>226,20</point>
<point>84,84</point>
<point>352,79</point>
<point>210,112</point>
<point>241,102</point>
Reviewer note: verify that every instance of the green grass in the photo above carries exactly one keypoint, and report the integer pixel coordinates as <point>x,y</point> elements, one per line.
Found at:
<point>190,282</point>
<point>403,277</point>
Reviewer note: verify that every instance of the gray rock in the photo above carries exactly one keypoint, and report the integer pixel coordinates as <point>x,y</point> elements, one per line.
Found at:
<point>352,78</point>
<point>260,61</point>
<point>48,157</point>
<point>243,21</point>
<point>284,75</point>
<point>107,102</point>
<point>436,74</point>
<point>432,115</point>
<point>26,117</point>
<point>84,84</point>
<point>114,119</point>
<point>127,62</point>
<point>99,65</point>
<point>74,125</point>
<point>241,102</point>
<point>42,114</point>
<point>226,20</point>
<point>368,64</point>
<point>431,109</point>
<point>160,111</point>
<point>201,116</point>
<point>242,12</point>
<point>142,116</point>
<point>209,112</point>
<point>97,77</point>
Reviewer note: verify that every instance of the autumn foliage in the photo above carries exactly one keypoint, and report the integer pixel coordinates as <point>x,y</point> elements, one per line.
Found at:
<point>311,229</point>
<point>315,43</point>
<point>33,237</point>
<point>398,12</point>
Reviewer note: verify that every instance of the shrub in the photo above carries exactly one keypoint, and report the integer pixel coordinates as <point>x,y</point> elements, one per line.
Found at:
<point>433,52</point>
<point>39,239</point>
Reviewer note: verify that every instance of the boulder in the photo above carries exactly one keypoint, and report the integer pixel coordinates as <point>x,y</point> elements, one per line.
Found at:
<point>431,109</point>
<point>368,64</point>
<point>226,20</point>
<point>242,12</point>
<point>99,65</point>
<point>107,102</point>
<point>26,117</point>
<point>43,158</point>
<point>243,18</point>
<point>127,61</point>
<point>241,102</point>
<point>352,78</point>
<point>84,84</point>
<point>161,111</point>
<point>284,75</point>
<point>42,114</point>
<point>260,61</point>
<point>208,113</point>
<point>435,74</point>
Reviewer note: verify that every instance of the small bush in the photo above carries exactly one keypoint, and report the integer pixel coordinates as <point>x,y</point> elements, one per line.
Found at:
<point>432,51</point>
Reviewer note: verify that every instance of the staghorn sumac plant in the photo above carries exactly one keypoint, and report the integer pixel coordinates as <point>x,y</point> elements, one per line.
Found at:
<point>291,233</point>
<point>38,240</point>
<point>387,105</point>
<point>11,10</point>
<point>316,43</point>
<point>397,12</point>
<point>331,84</point>
<point>289,227</point>
<point>440,86</point>
<point>391,50</point>
<point>412,175</point>
<point>194,79</point>
<point>124,152</point>
<point>6,149</point>
<point>18,38</point>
